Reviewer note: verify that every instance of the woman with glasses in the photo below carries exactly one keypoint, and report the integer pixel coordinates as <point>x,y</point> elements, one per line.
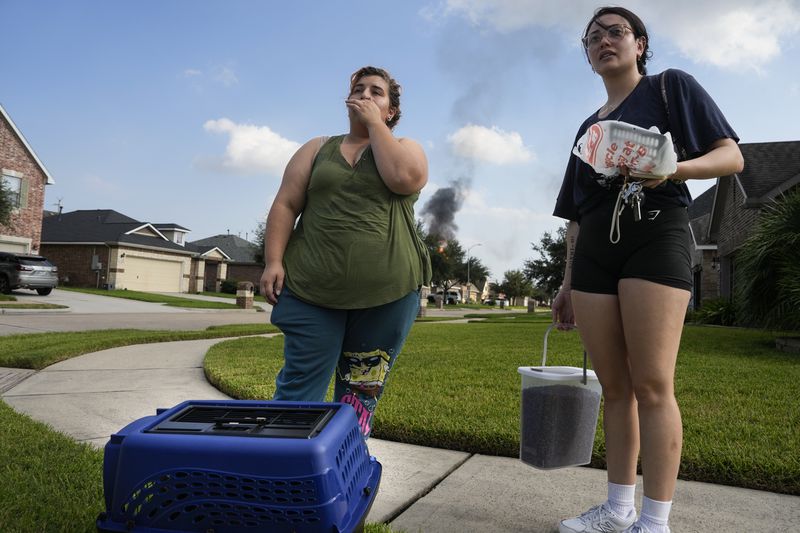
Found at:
<point>629,296</point>
<point>344,281</point>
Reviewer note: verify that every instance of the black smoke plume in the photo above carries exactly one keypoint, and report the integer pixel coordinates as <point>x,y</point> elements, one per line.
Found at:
<point>440,211</point>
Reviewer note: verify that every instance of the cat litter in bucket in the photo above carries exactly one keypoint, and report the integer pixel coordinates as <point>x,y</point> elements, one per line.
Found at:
<point>559,410</point>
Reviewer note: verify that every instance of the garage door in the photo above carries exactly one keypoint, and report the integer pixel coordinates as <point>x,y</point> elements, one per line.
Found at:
<point>153,275</point>
<point>14,247</point>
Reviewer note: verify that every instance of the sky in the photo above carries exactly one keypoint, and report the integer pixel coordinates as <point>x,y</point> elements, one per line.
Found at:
<point>187,111</point>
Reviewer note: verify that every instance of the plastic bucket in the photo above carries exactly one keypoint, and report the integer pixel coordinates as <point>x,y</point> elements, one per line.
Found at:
<point>559,409</point>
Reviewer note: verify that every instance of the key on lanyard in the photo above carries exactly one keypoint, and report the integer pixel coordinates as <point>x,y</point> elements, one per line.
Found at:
<point>636,206</point>
<point>633,196</point>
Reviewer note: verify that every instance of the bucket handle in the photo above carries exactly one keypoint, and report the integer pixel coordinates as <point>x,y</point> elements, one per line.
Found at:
<point>544,354</point>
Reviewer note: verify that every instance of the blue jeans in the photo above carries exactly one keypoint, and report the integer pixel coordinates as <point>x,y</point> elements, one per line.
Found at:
<point>359,345</point>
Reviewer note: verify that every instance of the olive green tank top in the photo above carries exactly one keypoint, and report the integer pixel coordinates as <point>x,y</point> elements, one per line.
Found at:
<point>355,245</point>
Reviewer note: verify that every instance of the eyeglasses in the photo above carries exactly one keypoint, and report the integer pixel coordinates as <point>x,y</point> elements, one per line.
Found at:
<point>614,33</point>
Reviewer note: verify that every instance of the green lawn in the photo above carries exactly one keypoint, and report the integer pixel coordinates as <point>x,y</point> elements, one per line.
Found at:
<point>219,294</point>
<point>56,484</point>
<point>38,350</point>
<point>456,386</point>
<point>173,301</point>
<point>50,482</point>
<point>7,305</point>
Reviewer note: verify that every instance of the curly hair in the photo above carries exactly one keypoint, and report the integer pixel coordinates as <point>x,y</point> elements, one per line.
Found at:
<point>394,89</point>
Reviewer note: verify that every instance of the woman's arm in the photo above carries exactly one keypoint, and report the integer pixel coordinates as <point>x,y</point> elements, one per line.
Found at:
<point>722,159</point>
<point>401,162</point>
<point>285,209</point>
<point>563,316</point>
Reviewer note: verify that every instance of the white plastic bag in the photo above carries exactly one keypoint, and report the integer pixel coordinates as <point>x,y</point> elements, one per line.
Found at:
<point>609,144</point>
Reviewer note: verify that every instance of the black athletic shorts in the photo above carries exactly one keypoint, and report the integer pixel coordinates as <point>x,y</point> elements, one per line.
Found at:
<point>656,248</point>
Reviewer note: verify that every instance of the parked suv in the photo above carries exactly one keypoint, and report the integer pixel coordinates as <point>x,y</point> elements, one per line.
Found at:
<point>453,297</point>
<point>20,271</point>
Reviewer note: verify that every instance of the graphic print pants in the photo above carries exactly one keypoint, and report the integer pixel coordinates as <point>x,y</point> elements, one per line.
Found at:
<point>359,345</point>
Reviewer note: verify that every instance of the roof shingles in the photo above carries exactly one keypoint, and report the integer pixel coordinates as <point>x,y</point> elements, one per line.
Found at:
<point>99,225</point>
<point>768,166</point>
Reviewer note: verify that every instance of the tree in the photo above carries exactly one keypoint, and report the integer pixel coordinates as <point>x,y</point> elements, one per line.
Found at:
<point>547,272</point>
<point>6,207</point>
<point>515,284</point>
<point>767,276</point>
<point>446,258</point>
<point>258,254</point>
<point>477,271</point>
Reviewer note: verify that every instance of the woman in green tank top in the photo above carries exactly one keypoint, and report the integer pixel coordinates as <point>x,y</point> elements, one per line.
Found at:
<point>344,280</point>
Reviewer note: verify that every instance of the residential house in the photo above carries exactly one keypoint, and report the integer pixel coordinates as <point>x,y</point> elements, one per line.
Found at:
<point>722,217</point>
<point>245,263</point>
<point>106,249</point>
<point>24,177</point>
<point>705,259</point>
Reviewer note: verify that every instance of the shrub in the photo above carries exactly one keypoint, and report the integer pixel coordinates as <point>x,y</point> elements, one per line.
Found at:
<point>228,286</point>
<point>718,312</point>
<point>767,278</point>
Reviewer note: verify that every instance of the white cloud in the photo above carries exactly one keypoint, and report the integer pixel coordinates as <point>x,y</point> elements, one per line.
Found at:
<point>739,36</point>
<point>191,73</point>
<point>226,76</point>
<point>726,33</point>
<point>491,145</point>
<point>253,149</point>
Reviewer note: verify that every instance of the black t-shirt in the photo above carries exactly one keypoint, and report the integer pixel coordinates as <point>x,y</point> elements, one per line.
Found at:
<point>696,122</point>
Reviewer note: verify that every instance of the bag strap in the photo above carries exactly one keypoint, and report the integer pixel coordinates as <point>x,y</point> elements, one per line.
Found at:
<point>681,150</point>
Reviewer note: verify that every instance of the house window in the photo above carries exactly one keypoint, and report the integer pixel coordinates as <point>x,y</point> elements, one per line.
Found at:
<point>179,238</point>
<point>13,187</point>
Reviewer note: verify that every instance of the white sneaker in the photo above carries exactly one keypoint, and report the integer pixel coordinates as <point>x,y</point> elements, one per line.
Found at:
<point>598,519</point>
<point>640,528</point>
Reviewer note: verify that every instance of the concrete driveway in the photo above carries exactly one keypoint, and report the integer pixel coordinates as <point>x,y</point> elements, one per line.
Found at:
<point>90,311</point>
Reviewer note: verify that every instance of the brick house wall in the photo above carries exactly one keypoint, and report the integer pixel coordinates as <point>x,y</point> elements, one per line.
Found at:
<point>195,281</point>
<point>736,221</point>
<point>74,263</point>
<point>246,272</point>
<point>735,225</point>
<point>26,222</point>
<point>708,276</point>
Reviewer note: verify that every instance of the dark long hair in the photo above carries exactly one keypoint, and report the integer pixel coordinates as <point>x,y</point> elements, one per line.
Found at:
<point>637,26</point>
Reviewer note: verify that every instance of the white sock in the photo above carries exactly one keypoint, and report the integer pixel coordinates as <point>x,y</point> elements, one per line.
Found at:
<point>620,498</point>
<point>655,515</point>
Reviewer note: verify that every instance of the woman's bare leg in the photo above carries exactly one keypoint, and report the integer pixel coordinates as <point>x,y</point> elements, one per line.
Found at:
<point>600,325</point>
<point>652,317</point>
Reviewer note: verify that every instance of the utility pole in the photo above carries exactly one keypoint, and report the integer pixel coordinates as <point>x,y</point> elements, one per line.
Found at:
<point>469,300</point>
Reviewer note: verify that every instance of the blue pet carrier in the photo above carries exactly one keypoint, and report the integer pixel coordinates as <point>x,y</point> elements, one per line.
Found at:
<point>232,466</point>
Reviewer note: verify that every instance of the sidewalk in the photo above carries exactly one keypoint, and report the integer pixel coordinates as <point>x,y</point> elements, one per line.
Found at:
<point>422,489</point>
